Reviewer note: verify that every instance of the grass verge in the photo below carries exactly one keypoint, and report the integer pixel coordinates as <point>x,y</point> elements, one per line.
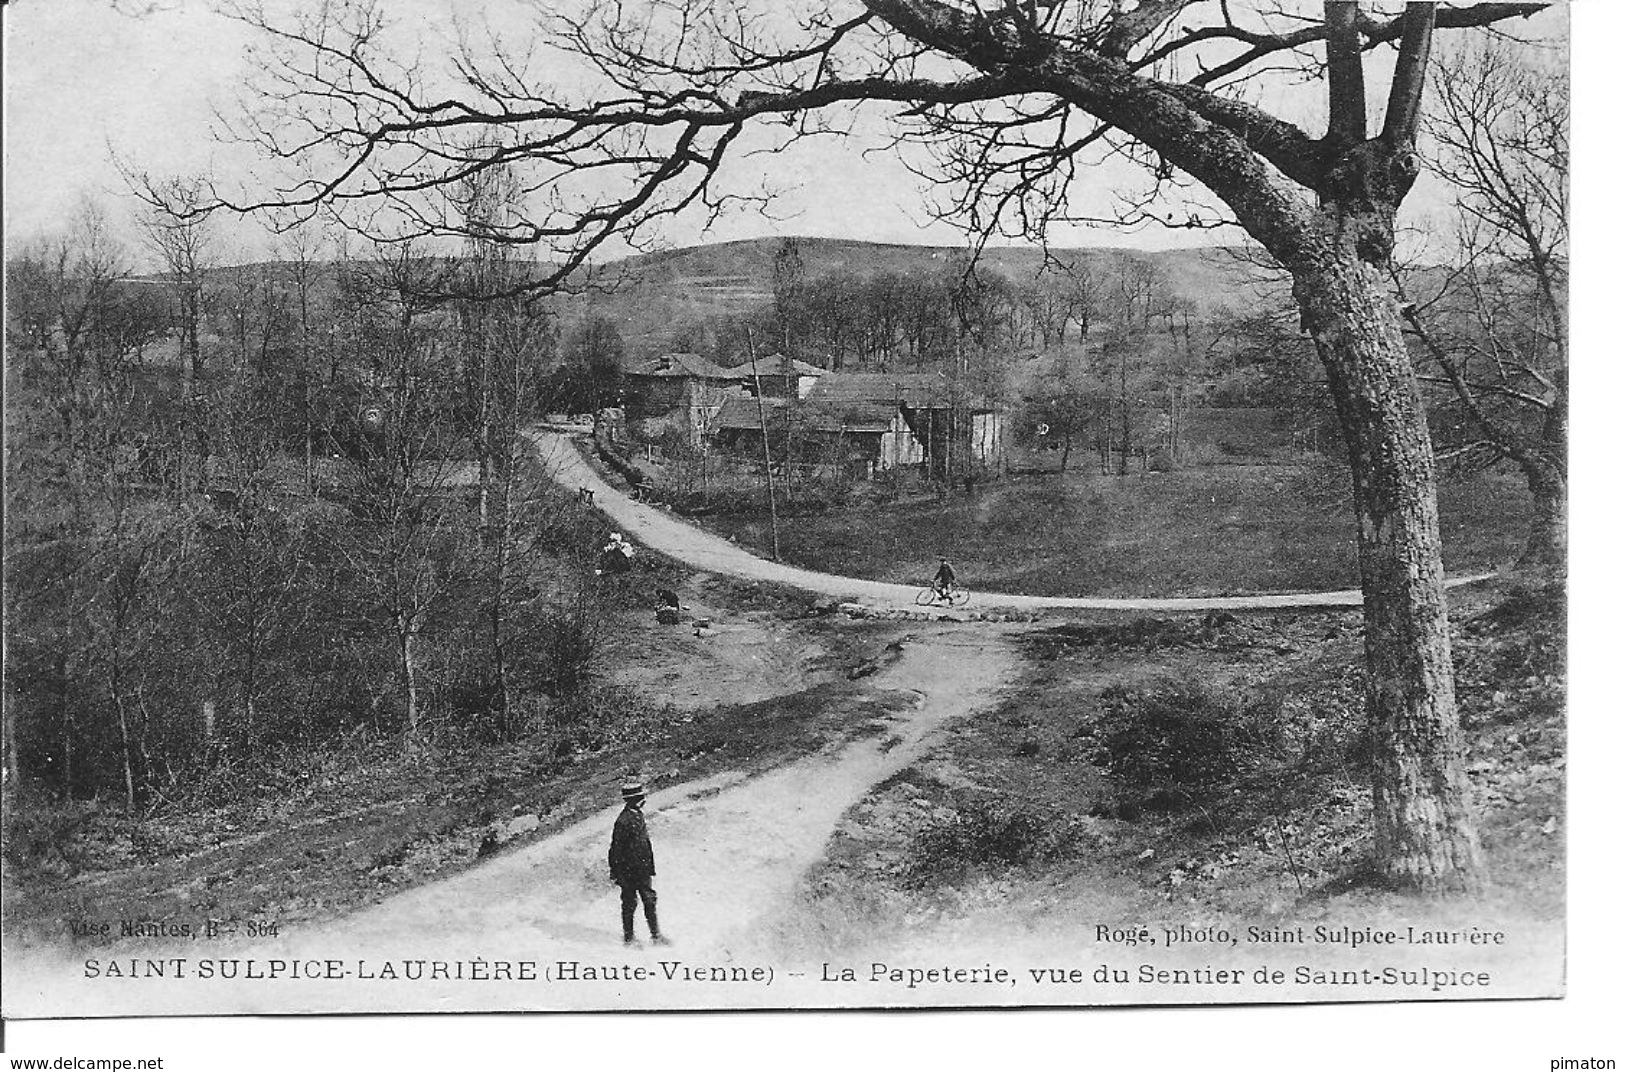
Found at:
<point>1221,773</point>
<point>1208,531</point>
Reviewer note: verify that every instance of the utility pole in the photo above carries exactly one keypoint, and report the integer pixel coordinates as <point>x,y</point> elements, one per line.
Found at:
<point>767,457</point>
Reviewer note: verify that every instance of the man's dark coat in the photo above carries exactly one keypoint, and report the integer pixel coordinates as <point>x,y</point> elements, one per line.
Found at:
<point>631,857</point>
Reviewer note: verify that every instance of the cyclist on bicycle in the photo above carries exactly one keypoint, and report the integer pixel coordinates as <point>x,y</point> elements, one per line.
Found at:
<point>944,581</point>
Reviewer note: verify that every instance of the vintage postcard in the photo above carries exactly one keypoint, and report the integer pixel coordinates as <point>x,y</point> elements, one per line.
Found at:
<point>718,504</point>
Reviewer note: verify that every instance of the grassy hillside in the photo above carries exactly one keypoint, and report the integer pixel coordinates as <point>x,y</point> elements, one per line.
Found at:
<point>654,293</point>
<point>1194,273</point>
<point>650,296</point>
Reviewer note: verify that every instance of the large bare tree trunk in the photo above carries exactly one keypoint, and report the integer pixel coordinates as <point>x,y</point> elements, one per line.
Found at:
<point>1543,458</point>
<point>1424,833</point>
<point>1545,469</point>
<point>1547,546</point>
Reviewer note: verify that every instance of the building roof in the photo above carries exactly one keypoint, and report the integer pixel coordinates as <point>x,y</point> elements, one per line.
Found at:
<point>853,401</point>
<point>740,414</point>
<point>915,390</point>
<point>682,366</point>
<point>776,365</point>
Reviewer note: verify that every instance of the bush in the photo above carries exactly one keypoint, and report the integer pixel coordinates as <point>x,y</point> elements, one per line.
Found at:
<point>569,642</point>
<point>1239,388</point>
<point>1180,735</point>
<point>984,836</point>
<point>471,701</point>
<point>595,711</point>
<point>45,834</point>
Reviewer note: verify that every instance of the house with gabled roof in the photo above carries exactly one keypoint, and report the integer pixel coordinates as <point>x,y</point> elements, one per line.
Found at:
<point>780,376</point>
<point>873,422</point>
<point>860,438</point>
<point>953,423</point>
<point>681,387</point>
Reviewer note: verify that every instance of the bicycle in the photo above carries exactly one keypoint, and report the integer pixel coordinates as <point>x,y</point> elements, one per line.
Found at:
<point>933,596</point>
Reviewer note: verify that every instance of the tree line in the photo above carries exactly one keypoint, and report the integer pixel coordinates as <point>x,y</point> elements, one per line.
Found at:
<point>254,509</point>
<point>945,317</point>
<point>1093,350</point>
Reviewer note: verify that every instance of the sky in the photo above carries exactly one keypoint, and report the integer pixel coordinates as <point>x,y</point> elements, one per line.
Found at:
<point>86,83</point>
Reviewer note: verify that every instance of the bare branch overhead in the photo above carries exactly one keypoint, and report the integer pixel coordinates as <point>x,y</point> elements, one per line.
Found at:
<point>1014,95</point>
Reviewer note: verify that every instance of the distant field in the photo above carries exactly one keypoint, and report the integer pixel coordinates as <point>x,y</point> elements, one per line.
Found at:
<point>649,295</point>
<point>1220,529</point>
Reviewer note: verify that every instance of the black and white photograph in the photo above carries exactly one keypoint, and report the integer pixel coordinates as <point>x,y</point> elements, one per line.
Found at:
<point>537,506</point>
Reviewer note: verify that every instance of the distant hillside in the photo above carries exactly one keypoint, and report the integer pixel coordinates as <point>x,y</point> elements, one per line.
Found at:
<point>653,294</point>
<point>651,297</point>
<point>753,258</point>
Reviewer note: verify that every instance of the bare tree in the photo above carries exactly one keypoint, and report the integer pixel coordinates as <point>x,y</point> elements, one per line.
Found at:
<point>70,298</point>
<point>1048,297</point>
<point>178,231</point>
<point>140,547</point>
<point>1071,406</point>
<point>1016,95</point>
<point>251,591</point>
<point>487,268</point>
<point>1135,297</point>
<point>1187,355</point>
<point>1086,297</point>
<point>252,308</point>
<point>303,248</point>
<point>505,341</point>
<point>402,550</point>
<point>592,356</point>
<point>789,282</point>
<point>522,512</point>
<point>88,567</point>
<point>1496,327</point>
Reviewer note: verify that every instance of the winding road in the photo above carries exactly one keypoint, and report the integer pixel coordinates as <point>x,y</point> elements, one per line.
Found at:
<point>561,454</point>
<point>731,848</point>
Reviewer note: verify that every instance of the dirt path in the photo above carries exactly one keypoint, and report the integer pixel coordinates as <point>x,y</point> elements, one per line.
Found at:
<point>561,454</point>
<point>728,848</point>
<point>730,851</point>
<point>743,657</point>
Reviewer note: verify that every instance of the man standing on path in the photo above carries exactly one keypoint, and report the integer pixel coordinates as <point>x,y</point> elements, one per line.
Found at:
<point>632,864</point>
